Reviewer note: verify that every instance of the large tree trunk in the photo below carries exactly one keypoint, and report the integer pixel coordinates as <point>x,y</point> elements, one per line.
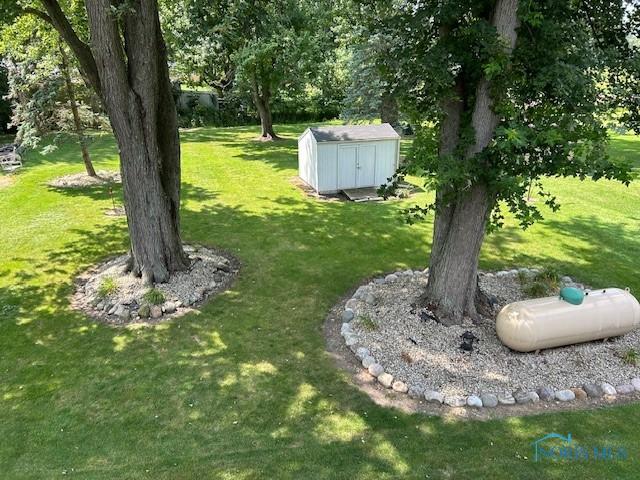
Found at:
<point>136,91</point>
<point>77,122</point>
<point>132,79</point>
<point>389,109</point>
<point>261,99</point>
<point>461,218</point>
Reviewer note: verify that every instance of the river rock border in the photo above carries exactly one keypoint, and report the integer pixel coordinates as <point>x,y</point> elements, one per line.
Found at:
<point>544,393</point>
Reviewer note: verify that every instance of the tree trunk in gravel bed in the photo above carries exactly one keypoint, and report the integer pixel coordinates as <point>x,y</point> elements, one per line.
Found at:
<point>461,218</point>
<point>127,66</point>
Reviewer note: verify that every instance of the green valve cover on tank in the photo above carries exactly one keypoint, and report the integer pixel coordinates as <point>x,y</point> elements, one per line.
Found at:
<point>573,295</point>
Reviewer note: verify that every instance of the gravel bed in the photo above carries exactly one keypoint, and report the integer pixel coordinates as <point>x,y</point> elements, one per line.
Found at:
<point>385,329</point>
<point>81,180</point>
<point>210,272</point>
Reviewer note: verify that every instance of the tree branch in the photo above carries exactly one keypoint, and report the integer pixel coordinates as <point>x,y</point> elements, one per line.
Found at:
<point>82,51</point>
<point>587,14</point>
<point>37,13</point>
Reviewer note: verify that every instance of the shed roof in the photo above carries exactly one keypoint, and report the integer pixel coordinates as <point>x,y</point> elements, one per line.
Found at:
<point>354,133</point>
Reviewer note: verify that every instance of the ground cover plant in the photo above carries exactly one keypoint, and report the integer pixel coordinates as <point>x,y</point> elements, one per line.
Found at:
<point>244,389</point>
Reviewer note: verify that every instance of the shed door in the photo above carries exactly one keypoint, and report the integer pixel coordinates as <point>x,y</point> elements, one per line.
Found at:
<point>347,163</point>
<point>366,166</point>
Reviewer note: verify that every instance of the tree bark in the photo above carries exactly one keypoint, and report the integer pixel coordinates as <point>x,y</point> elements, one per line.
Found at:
<point>132,79</point>
<point>77,122</point>
<point>461,217</point>
<point>261,99</point>
<point>389,109</point>
<point>137,95</point>
<point>55,16</point>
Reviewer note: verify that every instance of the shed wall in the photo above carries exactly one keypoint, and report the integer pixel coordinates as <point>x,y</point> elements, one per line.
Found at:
<point>386,160</point>
<point>327,167</point>
<point>331,174</point>
<point>307,160</point>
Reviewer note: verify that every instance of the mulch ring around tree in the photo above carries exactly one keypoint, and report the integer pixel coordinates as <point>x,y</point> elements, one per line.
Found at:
<point>82,180</point>
<point>420,366</point>
<point>108,294</point>
<point>5,181</point>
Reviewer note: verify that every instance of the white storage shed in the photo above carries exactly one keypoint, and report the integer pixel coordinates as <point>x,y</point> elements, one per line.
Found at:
<point>331,159</point>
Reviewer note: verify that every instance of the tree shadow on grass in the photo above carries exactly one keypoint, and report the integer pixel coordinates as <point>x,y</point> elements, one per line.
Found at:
<point>589,248</point>
<point>244,388</point>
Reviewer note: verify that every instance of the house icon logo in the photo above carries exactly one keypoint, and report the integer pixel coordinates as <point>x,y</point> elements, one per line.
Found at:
<point>541,448</point>
<point>554,446</point>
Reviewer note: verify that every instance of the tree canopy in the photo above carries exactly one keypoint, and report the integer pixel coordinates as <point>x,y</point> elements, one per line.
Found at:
<point>572,67</point>
<point>259,49</point>
<point>38,87</point>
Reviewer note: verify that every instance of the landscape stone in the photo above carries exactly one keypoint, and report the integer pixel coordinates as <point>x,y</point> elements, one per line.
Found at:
<point>522,397</point>
<point>368,361</point>
<point>607,388</point>
<point>169,307</point>
<point>636,383</point>
<point>347,315</point>
<point>156,311</point>
<point>625,389</point>
<point>351,304</point>
<point>593,390</point>
<point>360,293</point>
<point>223,266</point>
<point>144,311</point>
<point>362,353</point>
<point>579,393</point>
<point>399,386</point>
<point>375,369</point>
<point>346,328</point>
<point>432,396</point>
<point>416,391</point>
<point>546,393</point>
<point>385,379</point>
<point>455,401</point>
<point>489,400</point>
<point>392,277</point>
<point>350,339</point>
<point>506,399</point>
<point>474,401</point>
<point>565,395</point>
<point>370,299</point>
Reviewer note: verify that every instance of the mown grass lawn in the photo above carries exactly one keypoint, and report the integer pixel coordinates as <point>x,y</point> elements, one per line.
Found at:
<point>245,389</point>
